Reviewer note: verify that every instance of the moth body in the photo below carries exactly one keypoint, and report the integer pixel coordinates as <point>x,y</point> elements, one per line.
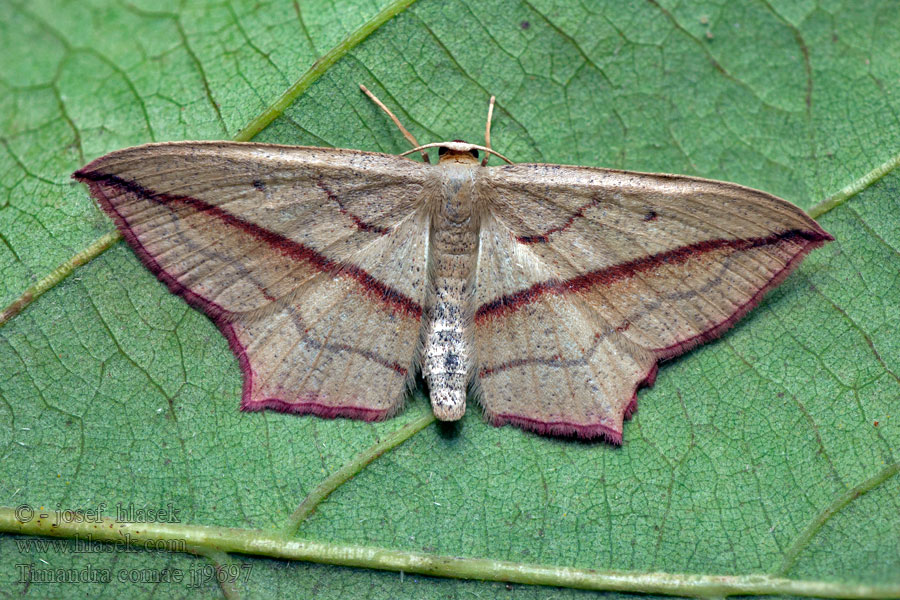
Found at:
<point>448,357</point>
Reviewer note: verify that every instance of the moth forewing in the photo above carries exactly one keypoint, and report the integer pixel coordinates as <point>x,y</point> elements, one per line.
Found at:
<point>636,268</point>
<point>295,253</point>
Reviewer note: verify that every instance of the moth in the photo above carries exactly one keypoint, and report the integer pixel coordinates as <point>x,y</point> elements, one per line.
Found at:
<point>547,292</point>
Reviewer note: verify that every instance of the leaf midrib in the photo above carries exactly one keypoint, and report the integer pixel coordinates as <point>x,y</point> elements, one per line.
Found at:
<point>206,540</point>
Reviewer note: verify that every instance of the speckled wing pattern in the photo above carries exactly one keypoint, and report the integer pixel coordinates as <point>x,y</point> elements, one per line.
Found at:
<point>310,260</point>
<point>588,277</point>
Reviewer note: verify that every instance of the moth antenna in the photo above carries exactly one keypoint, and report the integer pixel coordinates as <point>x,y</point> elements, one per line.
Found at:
<point>487,131</point>
<point>468,146</point>
<point>409,137</point>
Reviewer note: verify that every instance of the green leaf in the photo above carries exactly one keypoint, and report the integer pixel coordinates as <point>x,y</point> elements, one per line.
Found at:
<point>756,454</point>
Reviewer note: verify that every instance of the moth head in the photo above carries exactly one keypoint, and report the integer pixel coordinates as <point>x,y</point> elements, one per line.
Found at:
<point>457,151</point>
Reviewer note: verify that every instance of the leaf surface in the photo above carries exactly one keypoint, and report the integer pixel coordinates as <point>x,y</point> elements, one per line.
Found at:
<point>112,390</point>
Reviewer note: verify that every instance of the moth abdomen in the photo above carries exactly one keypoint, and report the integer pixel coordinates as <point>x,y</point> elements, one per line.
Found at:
<point>448,344</point>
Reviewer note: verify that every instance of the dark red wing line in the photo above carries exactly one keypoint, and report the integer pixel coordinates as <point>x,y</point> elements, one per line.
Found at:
<point>543,238</point>
<point>584,431</point>
<point>360,224</point>
<point>313,405</point>
<point>290,248</point>
<point>608,275</point>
